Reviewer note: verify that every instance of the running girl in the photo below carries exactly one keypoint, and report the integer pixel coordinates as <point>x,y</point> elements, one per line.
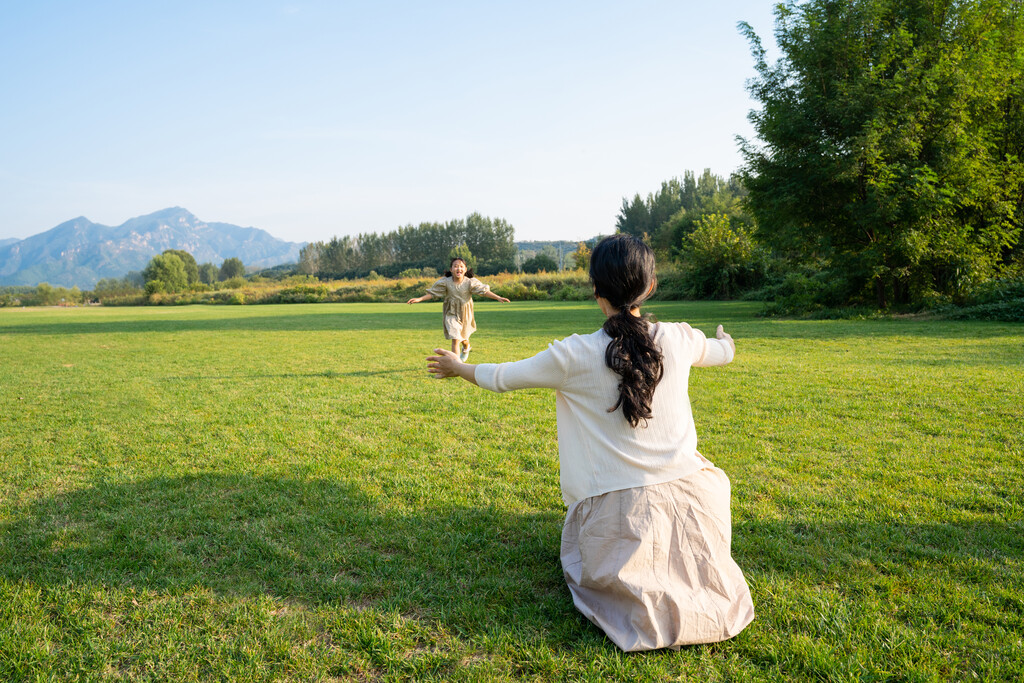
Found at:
<point>457,288</point>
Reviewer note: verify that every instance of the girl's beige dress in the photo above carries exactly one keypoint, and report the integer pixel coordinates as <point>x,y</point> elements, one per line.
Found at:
<point>458,318</point>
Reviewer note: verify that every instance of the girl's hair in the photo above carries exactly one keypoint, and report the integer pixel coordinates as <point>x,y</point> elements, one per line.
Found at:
<point>622,271</point>
<point>469,271</point>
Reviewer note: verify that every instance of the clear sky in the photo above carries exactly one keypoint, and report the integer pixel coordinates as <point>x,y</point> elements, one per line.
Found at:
<point>314,119</point>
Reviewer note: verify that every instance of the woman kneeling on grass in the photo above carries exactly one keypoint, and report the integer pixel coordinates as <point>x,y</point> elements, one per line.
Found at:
<point>646,540</point>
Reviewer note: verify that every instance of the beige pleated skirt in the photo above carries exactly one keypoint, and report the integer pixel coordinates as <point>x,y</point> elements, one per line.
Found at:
<point>652,567</point>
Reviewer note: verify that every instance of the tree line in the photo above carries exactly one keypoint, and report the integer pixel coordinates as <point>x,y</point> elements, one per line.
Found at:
<point>427,245</point>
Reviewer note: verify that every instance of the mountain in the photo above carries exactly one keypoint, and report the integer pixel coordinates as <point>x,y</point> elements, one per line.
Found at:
<point>80,252</point>
<point>9,240</point>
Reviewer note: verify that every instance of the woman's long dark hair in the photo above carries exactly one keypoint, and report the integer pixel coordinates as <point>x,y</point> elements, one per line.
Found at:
<point>469,271</point>
<point>622,271</point>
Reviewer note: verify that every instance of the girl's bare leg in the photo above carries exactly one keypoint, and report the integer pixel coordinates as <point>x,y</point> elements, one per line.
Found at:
<point>455,346</point>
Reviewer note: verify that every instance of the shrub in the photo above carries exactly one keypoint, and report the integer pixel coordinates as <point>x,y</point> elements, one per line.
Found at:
<point>720,261</point>
<point>302,294</point>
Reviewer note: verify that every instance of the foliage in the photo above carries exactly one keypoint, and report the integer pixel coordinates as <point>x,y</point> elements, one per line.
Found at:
<point>668,215</point>
<point>581,257</point>
<point>417,272</point>
<point>267,494</point>
<point>208,273</point>
<point>112,287</point>
<point>462,251</point>
<point>43,294</point>
<point>720,261</point>
<point>165,273</point>
<point>233,282</point>
<point>231,268</point>
<point>893,143</point>
<point>998,299</point>
<point>189,261</point>
<point>490,240</point>
<point>540,263</point>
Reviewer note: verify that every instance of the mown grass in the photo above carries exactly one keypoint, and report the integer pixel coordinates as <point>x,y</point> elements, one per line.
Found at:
<point>281,493</point>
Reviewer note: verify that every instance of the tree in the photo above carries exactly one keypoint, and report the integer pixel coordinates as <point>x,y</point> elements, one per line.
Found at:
<point>309,258</point>
<point>668,215</point>
<point>540,262</point>
<point>168,270</point>
<point>581,257</point>
<point>463,252</point>
<point>232,267</point>
<point>189,261</point>
<point>208,273</point>
<point>720,261</point>
<point>893,142</point>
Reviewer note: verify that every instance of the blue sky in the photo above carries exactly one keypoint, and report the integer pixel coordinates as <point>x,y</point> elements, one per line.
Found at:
<point>315,119</point>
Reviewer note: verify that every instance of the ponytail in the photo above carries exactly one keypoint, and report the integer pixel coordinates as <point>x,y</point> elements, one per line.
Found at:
<point>622,272</point>
<point>634,356</point>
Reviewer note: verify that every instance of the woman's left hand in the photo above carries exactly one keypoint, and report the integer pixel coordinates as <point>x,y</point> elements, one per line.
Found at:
<point>504,300</point>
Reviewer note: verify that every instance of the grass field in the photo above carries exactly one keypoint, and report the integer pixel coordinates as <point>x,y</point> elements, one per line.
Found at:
<point>282,493</point>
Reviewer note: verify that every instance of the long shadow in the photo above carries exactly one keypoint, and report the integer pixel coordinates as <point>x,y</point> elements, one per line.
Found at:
<point>511,322</point>
<point>314,542</point>
<point>322,542</point>
<point>527,318</point>
<point>327,374</point>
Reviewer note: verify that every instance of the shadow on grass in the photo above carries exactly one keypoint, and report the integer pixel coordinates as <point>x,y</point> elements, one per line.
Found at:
<point>532,319</point>
<point>554,320</point>
<point>327,374</point>
<point>323,542</point>
<point>314,542</point>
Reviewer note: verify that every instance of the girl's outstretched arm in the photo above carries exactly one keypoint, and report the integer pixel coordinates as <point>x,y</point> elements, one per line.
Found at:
<point>447,364</point>
<point>426,297</point>
<point>492,295</point>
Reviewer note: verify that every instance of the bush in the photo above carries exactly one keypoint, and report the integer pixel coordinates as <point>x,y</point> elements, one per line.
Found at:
<point>720,261</point>
<point>302,294</point>
<point>540,263</point>
<point>998,299</point>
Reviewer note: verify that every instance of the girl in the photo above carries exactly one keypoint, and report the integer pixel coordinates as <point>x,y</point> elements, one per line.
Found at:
<point>647,535</point>
<point>457,288</point>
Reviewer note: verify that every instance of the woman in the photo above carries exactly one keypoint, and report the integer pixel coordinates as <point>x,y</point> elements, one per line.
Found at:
<point>646,540</point>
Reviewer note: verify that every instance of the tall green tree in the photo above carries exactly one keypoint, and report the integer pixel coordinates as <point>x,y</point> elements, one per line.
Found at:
<point>463,252</point>
<point>891,142</point>
<point>208,273</point>
<point>168,271</point>
<point>189,261</point>
<point>669,214</point>
<point>232,267</point>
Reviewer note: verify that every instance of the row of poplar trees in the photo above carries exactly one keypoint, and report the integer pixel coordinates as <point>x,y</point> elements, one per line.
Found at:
<point>491,241</point>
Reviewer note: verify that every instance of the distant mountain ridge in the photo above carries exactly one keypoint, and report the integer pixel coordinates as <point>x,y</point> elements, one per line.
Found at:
<point>79,252</point>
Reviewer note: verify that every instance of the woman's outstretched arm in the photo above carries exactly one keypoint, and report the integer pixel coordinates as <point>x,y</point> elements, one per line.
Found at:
<point>447,364</point>
<point>720,350</point>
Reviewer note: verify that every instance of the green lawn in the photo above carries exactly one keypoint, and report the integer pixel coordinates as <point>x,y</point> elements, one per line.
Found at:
<point>282,493</point>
